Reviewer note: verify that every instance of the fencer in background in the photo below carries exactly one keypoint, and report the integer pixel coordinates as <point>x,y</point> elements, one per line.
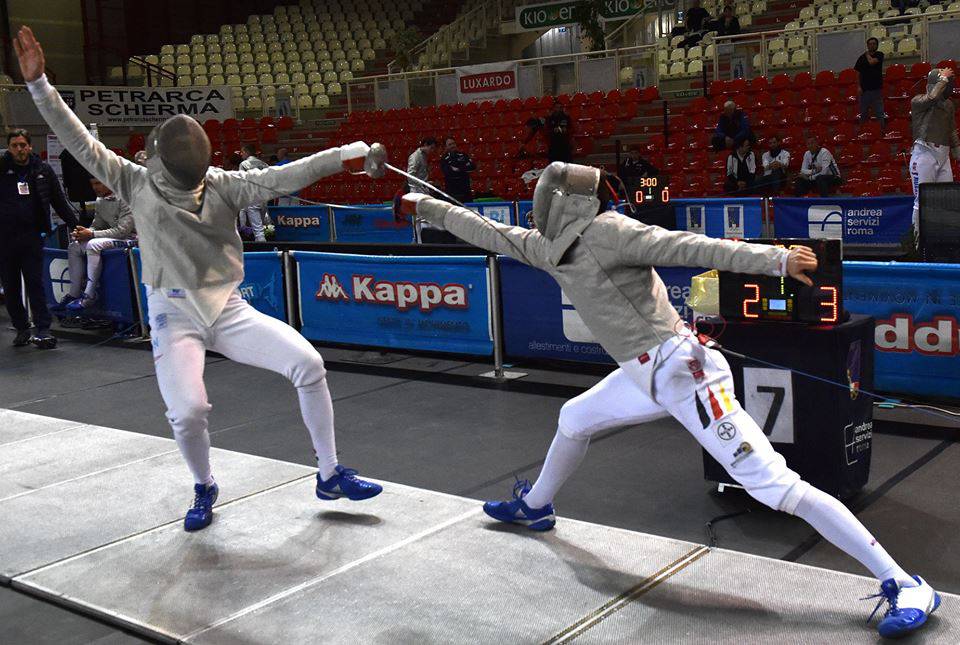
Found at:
<point>253,215</point>
<point>185,213</point>
<point>934,134</point>
<point>604,263</point>
<point>112,228</point>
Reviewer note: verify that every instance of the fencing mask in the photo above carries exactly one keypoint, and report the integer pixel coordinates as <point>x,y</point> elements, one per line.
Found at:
<point>933,78</point>
<point>564,192</point>
<point>179,149</point>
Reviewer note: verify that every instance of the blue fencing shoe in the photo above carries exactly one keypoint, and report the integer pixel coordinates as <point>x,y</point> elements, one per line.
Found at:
<point>66,300</point>
<point>346,484</point>
<point>81,304</point>
<point>516,510</point>
<point>907,607</point>
<point>201,513</point>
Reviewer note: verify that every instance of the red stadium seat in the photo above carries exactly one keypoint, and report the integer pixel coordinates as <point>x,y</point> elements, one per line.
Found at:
<point>759,84</point>
<point>802,80</point>
<point>781,82</point>
<point>920,70</point>
<point>825,79</point>
<point>284,123</point>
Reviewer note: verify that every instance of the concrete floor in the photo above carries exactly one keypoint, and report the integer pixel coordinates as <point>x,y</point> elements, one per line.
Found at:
<point>430,424</point>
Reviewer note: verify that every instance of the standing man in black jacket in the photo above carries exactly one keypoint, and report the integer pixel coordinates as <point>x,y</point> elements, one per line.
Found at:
<point>456,167</point>
<point>28,188</point>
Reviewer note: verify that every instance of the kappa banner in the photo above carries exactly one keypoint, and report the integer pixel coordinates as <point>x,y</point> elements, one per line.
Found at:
<point>438,304</point>
<point>487,82</point>
<point>146,106</point>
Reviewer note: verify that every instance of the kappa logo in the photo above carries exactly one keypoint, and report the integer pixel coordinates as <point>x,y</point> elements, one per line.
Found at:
<point>425,296</point>
<point>331,289</point>
<point>825,221</point>
<point>298,222</point>
<point>743,451</point>
<point>59,278</point>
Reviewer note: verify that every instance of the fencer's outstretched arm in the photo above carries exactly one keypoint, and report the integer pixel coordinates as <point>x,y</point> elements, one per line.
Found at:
<point>644,245</point>
<point>522,244</point>
<point>246,187</point>
<point>120,175</point>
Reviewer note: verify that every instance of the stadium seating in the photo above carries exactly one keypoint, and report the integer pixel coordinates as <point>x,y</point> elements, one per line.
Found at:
<point>280,50</point>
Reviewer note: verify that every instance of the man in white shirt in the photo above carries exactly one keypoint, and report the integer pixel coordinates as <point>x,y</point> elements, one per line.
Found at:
<point>775,162</point>
<point>818,171</point>
<point>253,215</point>
<point>741,169</point>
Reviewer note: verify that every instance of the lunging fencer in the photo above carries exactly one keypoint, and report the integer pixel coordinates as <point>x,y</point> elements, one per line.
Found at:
<point>603,262</point>
<point>934,135</point>
<point>185,213</point>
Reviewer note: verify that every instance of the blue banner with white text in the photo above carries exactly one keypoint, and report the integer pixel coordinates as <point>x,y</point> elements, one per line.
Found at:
<point>721,217</point>
<point>114,294</point>
<point>855,220</point>
<point>540,322</point>
<point>373,224</point>
<point>301,223</point>
<point>262,284</point>
<point>428,303</point>
<point>917,334</point>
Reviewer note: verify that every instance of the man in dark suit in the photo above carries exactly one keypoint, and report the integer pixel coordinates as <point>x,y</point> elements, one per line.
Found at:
<point>28,188</point>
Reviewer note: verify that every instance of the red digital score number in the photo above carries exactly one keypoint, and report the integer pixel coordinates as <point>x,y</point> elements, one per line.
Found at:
<point>751,301</point>
<point>832,313</point>
<point>665,194</point>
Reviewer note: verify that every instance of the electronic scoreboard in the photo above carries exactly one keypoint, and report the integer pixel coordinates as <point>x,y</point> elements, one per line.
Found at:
<point>652,191</point>
<point>761,297</point>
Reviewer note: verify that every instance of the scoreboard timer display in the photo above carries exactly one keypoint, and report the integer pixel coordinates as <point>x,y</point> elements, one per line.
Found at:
<point>761,297</point>
<point>652,190</point>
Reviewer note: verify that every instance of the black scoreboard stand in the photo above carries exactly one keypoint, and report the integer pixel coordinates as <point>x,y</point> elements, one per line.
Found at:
<point>824,430</point>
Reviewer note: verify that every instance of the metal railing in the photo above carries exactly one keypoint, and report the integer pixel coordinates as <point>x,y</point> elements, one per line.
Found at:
<point>420,86</point>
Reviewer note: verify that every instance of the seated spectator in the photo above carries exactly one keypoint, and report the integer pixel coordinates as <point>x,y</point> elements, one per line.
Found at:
<point>456,167</point>
<point>695,21</point>
<point>732,128</point>
<point>775,162</point>
<point>634,168</point>
<point>112,228</point>
<point>727,24</point>
<point>741,169</point>
<point>819,170</point>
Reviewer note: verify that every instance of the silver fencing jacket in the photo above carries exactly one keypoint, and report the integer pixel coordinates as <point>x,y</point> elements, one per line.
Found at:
<point>931,117</point>
<point>112,219</point>
<point>188,239</point>
<point>604,264</point>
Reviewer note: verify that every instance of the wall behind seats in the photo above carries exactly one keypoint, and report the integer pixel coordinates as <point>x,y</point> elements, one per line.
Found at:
<point>58,25</point>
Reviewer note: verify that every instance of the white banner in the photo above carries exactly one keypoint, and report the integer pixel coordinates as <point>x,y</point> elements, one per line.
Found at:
<point>487,82</point>
<point>117,105</point>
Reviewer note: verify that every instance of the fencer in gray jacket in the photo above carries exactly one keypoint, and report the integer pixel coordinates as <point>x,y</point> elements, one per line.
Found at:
<point>185,214</point>
<point>604,263</point>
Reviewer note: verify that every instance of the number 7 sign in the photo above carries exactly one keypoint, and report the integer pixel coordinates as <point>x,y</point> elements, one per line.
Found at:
<point>768,399</point>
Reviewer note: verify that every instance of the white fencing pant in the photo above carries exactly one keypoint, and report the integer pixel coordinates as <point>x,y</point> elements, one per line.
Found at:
<point>929,163</point>
<point>244,335</point>
<point>88,273</point>
<point>253,216</point>
<point>694,385</point>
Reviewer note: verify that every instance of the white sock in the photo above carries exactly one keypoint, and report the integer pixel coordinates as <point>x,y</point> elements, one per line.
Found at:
<point>317,410</point>
<point>840,527</point>
<point>564,456</point>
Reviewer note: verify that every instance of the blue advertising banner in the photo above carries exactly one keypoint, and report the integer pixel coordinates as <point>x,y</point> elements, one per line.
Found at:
<point>115,298</point>
<point>428,303</point>
<point>540,322</point>
<point>917,312</point>
<point>503,212</point>
<point>301,223</point>
<point>262,284</point>
<point>524,207</point>
<point>855,220</point>
<point>374,224</point>
<point>721,217</point>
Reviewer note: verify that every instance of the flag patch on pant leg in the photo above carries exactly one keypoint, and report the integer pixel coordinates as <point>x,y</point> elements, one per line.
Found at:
<point>701,411</point>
